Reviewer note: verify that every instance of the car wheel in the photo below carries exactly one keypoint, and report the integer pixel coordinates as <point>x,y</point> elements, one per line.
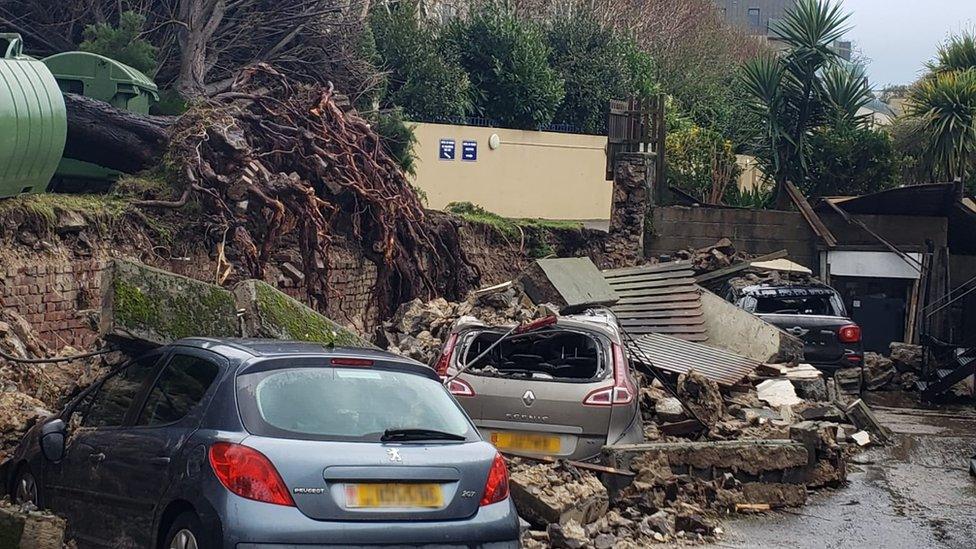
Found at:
<point>25,487</point>
<point>186,533</point>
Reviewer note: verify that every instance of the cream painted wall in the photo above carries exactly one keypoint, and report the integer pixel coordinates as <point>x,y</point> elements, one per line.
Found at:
<point>531,174</point>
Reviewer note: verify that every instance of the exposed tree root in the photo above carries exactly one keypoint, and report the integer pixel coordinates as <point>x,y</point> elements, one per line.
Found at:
<point>269,159</point>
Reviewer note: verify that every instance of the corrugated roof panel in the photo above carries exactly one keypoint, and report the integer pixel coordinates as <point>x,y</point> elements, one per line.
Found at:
<point>676,355</point>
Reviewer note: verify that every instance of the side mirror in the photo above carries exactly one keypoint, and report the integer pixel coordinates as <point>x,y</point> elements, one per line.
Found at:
<point>53,435</point>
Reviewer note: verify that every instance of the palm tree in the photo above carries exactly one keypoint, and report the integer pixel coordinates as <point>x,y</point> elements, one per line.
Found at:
<point>944,102</point>
<point>803,88</point>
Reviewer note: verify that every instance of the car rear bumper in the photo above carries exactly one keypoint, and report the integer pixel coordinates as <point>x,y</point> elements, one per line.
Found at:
<point>575,446</point>
<point>249,524</point>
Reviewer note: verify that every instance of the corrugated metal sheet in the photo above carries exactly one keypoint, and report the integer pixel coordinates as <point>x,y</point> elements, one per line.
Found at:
<point>659,298</point>
<point>679,356</point>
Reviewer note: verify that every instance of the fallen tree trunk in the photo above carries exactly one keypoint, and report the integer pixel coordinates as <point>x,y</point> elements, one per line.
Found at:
<point>114,138</point>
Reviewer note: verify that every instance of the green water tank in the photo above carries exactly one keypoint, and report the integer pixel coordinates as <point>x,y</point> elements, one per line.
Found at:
<point>33,123</point>
<point>104,79</point>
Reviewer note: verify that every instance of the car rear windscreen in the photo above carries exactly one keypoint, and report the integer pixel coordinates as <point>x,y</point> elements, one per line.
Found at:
<point>820,305</point>
<point>345,404</point>
<point>555,354</point>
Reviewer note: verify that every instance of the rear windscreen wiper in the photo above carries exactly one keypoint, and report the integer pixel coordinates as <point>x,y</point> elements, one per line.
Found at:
<point>418,434</point>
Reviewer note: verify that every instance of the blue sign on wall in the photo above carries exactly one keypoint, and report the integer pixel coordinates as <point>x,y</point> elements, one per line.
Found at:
<point>446,149</point>
<point>469,151</point>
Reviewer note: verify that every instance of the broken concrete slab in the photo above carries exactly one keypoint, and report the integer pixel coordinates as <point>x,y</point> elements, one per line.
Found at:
<point>702,396</point>
<point>774,495</point>
<point>863,418</point>
<point>270,313</point>
<point>778,392</point>
<point>812,389</point>
<point>848,381</point>
<point>30,530</point>
<point>669,409</point>
<point>713,459</point>
<point>745,334</point>
<point>862,438</point>
<point>571,283</point>
<point>156,307</point>
<point>556,493</point>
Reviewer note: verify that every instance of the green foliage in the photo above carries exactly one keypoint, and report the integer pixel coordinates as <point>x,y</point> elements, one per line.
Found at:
<point>756,198</point>
<point>507,61</point>
<point>423,81</point>
<point>701,162</point>
<point>946,103</point>
<point>849,160</point>
<point>957,54</point>
<point>397,138</point>
<point>122,43</point>
<point>597,64</point>
<point>943,103</point>
<point>804,90</point>
<point>532,234</point>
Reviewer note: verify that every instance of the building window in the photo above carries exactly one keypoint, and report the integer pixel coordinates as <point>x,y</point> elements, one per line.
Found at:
<point>753,17</point>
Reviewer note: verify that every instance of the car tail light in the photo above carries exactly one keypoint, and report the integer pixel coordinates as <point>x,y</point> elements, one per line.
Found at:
<point>496,487</point>
<point>444,362</point>
<point>345,361</point>
<point>248,473</point>
<point>849,334</point>
<point>460,388</point>
<point>623,390</point>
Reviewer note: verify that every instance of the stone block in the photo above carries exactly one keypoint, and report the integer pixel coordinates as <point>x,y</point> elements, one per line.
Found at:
<point>157,307</point>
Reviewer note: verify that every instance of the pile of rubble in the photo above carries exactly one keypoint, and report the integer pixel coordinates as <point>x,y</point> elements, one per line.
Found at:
<point>29,392</point>
<point>898,371</point>
<point>720,255</point>
<point>762,448</point>
<point>419,329</point>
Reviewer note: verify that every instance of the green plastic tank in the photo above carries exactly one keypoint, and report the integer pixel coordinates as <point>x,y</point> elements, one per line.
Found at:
<point>104,79</point>
<point>33,124</point>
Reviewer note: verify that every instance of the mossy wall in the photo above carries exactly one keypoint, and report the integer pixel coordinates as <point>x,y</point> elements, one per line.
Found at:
<point>270,313</point>
<point>156,306</point>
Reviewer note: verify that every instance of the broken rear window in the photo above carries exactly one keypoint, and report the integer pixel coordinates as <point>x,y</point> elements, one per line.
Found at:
<point>821,305</point>
<point>559,355</point>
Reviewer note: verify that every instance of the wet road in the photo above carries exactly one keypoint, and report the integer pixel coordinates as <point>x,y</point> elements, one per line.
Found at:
<point>915,493</point>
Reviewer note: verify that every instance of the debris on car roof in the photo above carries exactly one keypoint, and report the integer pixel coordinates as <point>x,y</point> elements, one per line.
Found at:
<point>659,298</point>
<point>571,284</point>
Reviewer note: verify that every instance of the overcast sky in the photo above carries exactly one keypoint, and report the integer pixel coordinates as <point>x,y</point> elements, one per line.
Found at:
<point>899,36</point>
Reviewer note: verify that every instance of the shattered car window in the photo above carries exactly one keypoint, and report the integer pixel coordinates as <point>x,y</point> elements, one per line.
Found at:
<point>560,355</point>
<point>822,305</point>
<point>345,404</point>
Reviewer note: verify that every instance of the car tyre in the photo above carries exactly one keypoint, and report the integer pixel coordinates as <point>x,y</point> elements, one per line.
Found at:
<point>186,532</point>
<point>25,489</point>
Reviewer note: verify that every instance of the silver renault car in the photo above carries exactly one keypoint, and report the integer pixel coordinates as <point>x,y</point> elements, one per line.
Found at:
<point>559,386</point>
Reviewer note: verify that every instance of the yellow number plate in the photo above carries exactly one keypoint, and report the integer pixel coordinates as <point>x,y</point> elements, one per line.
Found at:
<point>525,442</point>
<point>394,495</point>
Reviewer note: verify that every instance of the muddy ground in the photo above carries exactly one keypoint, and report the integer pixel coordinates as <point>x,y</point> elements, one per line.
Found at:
<point>914,493</point>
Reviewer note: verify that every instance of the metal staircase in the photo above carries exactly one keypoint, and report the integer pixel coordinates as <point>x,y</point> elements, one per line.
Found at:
<point>960,364</point>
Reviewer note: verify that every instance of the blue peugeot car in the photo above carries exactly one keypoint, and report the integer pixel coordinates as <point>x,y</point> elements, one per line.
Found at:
<point>258,444</point>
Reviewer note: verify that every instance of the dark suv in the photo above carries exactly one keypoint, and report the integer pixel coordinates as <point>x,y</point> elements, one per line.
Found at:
<point>252,444</point>
<point>813,312</point>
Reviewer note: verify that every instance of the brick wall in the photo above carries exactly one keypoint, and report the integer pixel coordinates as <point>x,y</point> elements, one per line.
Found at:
<point>751,231</point>
<point>56,295</point>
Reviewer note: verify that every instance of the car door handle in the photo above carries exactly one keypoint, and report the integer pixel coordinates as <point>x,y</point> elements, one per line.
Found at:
<point>161,460</point>
<point>96,458</point>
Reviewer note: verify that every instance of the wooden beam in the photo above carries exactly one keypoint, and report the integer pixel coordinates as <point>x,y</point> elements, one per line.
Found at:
<point>811,216</point>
